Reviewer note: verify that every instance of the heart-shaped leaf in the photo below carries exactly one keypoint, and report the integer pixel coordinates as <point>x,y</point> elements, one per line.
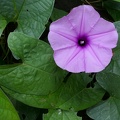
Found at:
<point>36,72</point>
<point>30,15</point>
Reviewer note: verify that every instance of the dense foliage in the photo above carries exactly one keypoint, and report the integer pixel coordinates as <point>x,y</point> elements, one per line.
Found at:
<point>33,87</point>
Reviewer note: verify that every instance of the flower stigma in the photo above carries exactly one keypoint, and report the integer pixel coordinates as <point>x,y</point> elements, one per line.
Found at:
<point>81,42</point>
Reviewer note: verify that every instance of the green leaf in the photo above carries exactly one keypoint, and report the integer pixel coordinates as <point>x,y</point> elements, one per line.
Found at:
<point>106,110</point>
<point>61,115</point>
<point>7,111</point>
<point>37,70</point>
<point>73,94</point>
<point>110,82</point>
<point>117,25</point>
<point>39,101</point>
<point>3,23</point>
<point>31,15</point>
<point>109,109</point>
<point>117,0</point>
<point>57,13</point>
<point>113,8</point>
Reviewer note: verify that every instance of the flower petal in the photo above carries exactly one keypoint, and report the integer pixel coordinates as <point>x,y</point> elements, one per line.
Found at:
<point>64,27</point>
<point>103,34</point>
<point>83,18</point>
<point>97,58</point>
<point>71,59</point>
<point>59,41</point>
<point>108,40</point>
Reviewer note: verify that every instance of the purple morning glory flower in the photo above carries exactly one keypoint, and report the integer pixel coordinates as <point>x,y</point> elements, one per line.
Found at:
<point>82,41</point>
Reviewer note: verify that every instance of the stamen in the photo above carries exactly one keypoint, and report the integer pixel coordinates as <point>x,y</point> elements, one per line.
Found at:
<point>81,42</point>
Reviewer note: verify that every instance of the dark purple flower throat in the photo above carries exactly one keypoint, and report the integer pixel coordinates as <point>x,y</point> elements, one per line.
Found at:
<point>82,41</point>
